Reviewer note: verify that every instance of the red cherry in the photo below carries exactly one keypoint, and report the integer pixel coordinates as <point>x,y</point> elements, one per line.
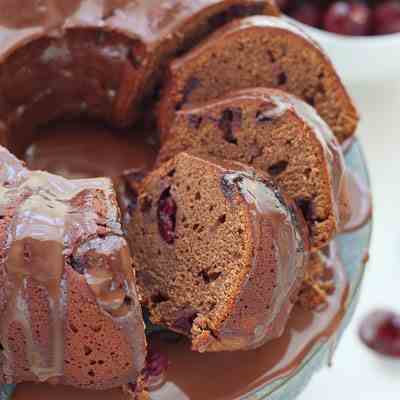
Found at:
<point>308,13</point>
<point>167,209</point>
<point>386,17</point>
<point>352,18</point>
<point>380,331</point>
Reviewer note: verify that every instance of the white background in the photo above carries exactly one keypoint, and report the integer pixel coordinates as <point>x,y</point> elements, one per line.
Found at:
<point>357,373</point>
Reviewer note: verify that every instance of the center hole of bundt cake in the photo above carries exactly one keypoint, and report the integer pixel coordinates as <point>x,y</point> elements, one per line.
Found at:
<point>82,149</point>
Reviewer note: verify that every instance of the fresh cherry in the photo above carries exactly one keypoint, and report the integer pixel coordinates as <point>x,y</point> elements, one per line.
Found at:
<point>348,18</point>
<point>386,17</point>
<point>380,331</point>
<point>307,12</point>
<point>167,216</point>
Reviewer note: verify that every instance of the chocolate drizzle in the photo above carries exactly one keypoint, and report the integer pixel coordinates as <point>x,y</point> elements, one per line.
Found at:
<point>274,218</point>
<point>55,224</point>
<point>360,201</point>
<point>36,239</point>
<point>107,264</point>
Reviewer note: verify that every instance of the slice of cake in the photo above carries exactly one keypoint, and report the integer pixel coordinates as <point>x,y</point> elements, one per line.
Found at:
<point>259,51</point>
<point>219,252</point>
<point>279,134</point>
<point>69,310</point>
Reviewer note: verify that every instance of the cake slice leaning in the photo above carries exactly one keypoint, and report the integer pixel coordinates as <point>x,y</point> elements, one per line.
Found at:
<point>219,252</point>
<point>69,309</point>
<point>259,51</point>
<point>280,135</point>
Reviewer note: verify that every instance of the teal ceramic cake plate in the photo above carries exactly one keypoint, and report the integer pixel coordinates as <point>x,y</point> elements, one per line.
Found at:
<point>353,247</point>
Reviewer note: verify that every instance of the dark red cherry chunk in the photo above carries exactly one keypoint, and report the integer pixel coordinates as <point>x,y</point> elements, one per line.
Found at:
<point>167,216</point>
<point>386,17</point>
<point>348,18</point>
<point>380,331</point>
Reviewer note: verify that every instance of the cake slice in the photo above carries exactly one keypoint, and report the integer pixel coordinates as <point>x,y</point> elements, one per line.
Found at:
<point>69,309</point>
<point>219,252</point>
<point>279,134</point>
<point>259,51</point>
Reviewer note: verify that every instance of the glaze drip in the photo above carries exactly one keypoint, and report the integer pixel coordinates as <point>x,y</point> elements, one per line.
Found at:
<point>55,225</point>
<point>274,218</point>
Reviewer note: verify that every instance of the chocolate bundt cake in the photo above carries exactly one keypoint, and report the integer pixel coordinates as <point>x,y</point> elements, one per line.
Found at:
<point>97,59</point>
<point>224,235</point>
<point>259,51</point>
<point>219,252</point>
<point>279,134</point>
<point>69,310</point>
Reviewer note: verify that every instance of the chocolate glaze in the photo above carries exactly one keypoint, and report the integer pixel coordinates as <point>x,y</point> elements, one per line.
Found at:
<point>192,376</point>
<point>360,201</point>
<point>267,304</point>
<point>55,226</point>
<point>74,149</point>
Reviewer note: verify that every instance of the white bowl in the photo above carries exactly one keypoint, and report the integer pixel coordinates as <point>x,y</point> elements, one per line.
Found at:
<point>360,60</point>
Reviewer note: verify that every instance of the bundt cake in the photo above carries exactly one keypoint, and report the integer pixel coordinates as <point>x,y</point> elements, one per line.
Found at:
<point>258,51</point>
<point>97,59</point>
<point>219,252</point>
<point>223,234</point>
<point>69,310</point>
<point>279,134</point>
